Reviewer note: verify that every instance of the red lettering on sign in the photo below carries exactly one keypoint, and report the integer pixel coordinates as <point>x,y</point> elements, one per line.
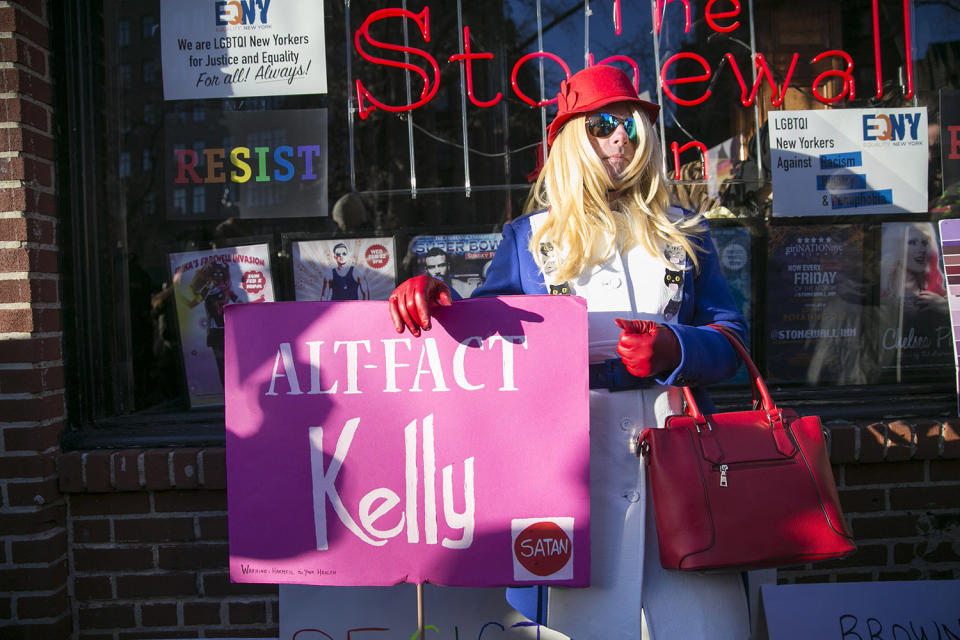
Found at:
<point>661,7</point>
<point>468,57</point>
<point>776,95</point>
<point>954,142</point>
<point>422,20</point>
<point>530,56</point>
<point>187,160</point>
<point>849,87</point>
<point>543,548</point>
<point>667,83</point>
<point>677,150</point>
<point>711,17</point>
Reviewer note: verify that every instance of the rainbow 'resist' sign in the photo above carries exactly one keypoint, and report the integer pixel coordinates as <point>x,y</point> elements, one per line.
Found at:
<point>357,456</point>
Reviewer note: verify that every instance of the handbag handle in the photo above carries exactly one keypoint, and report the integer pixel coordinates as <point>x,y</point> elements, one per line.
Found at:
<point>775,418</point>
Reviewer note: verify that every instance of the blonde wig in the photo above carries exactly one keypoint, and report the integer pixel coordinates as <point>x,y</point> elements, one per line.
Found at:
<point>590,215</point>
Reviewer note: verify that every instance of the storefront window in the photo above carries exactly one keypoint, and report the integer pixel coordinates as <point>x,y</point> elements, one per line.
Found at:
<point>842,291</point>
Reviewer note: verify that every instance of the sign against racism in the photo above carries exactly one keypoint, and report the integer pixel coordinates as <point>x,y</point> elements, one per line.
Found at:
<point>204,284</point>
<point>357,456</point>
<point>230,48</point>
<point>246,164</point>
<point>848,161</point>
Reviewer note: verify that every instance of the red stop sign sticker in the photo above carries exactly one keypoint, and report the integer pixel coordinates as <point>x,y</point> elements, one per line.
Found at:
<point>543,548</point>
<point>377,256</point>
<point>253,281</point>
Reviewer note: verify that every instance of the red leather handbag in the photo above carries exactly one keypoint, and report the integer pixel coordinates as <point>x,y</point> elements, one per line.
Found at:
<point>743,490</point>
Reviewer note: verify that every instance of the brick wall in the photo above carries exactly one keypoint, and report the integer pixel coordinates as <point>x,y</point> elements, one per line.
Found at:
<point>33,540</point>
<point>899,486</point>
<point>148,540</point>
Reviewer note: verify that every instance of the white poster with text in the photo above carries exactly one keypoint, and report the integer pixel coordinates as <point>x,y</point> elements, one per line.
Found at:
<point>242,48</point>
<point>849,161</point>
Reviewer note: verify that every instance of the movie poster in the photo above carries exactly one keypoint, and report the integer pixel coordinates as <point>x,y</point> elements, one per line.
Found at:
<point>815,296</point>
<point>344,269</point>
<point>205,282</point>
<point>915,332</point>
<point>459,259</point>
<point>733,247</point>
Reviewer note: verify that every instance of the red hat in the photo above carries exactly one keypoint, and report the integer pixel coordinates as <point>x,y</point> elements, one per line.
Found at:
<point>591,89</point>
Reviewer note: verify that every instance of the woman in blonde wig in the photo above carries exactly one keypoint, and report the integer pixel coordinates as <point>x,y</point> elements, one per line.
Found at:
<point>604,230</point>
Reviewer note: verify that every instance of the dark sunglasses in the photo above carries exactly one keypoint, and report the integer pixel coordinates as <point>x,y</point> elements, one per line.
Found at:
<point>602,125</point>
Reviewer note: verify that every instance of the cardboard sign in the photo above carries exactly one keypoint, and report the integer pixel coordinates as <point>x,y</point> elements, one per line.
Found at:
<point>848,161</point>
<point>862,610</point>
<point>357,456</point>
<point>390,613</point>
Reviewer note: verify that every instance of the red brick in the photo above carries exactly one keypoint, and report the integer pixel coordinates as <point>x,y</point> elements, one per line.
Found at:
<point>89,588</point>
<point>154,530</point>
<point>873,441</point>
<point>185,468</point>
<point>106,616</point>
<point>843,442</point>
<point>216,585</point>
<point>14,259</point>
<point>33,409</point>
<point>13,229</point>
<point>46,320</point>
<point>91,530</point>
<point>247,612</point>
<point>39,172</point>
<point>158,615</point>
<point>109,504</point>
<point>854,577</point>
<point>38,201</point>
<point>35,521</point>
<point>190,501</point>
<point>47,549</point>
<point>34,115</point>
<point>37,438</point>
<point>926,497</point>
<point>951,439</point>
<point>15,321</point>
<point>887,473</point>
<point>126,473</point>
<point>213,528</point>
<point>33,493</point>
<point>26,25</point>
<point>159,584</point>
<point>862,500</point>
<point>41,231</point>
<point>43,606</point>
<point>29,350</point>
<point>866,555</point>
<point>905,574</point>
<point>113,559</point>
<point>193,556</point>
<point>6,608</point>
<point>928,439</point>
<point>13,199</point>
<point>31,57</point>
<point>36,380</point>
<point>201,613</point>
<point>945,471</point>
<point>70,468</point>
<point>96,465</point>
<point>885,526</point>
<point>156,466</point>
<point>900,441</point>
<point>213,462</point>
<point>35,578</point>
<point>11,169</point>
<point>35,465</point>
<point>61,627</point>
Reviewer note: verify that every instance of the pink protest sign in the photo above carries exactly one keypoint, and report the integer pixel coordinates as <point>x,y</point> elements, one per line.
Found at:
<point>357,456</point>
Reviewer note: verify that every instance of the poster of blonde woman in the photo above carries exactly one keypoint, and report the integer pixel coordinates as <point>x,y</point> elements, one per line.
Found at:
<point>343,268</point>
<point>205,282</point>
<point>915,336</point>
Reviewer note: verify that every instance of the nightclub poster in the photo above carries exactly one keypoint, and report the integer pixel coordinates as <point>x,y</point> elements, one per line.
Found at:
<point>205,283</point>
<point>241,48</point>
<point>459,259</point>
<point>915,332</point>
<point>245,164</point>
<point>813,304</point>
<point>344,269</point>
<point>733,247</point>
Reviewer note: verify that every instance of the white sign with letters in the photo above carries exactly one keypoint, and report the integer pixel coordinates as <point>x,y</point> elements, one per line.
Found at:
<point>848,161</point>
<point>230,48</point>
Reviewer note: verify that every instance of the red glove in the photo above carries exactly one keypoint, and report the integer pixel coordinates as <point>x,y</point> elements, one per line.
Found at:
<point>410,302</point>
<point>646,348</point>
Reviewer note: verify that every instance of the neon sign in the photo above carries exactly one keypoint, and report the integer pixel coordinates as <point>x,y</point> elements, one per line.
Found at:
<point>724,19</point>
